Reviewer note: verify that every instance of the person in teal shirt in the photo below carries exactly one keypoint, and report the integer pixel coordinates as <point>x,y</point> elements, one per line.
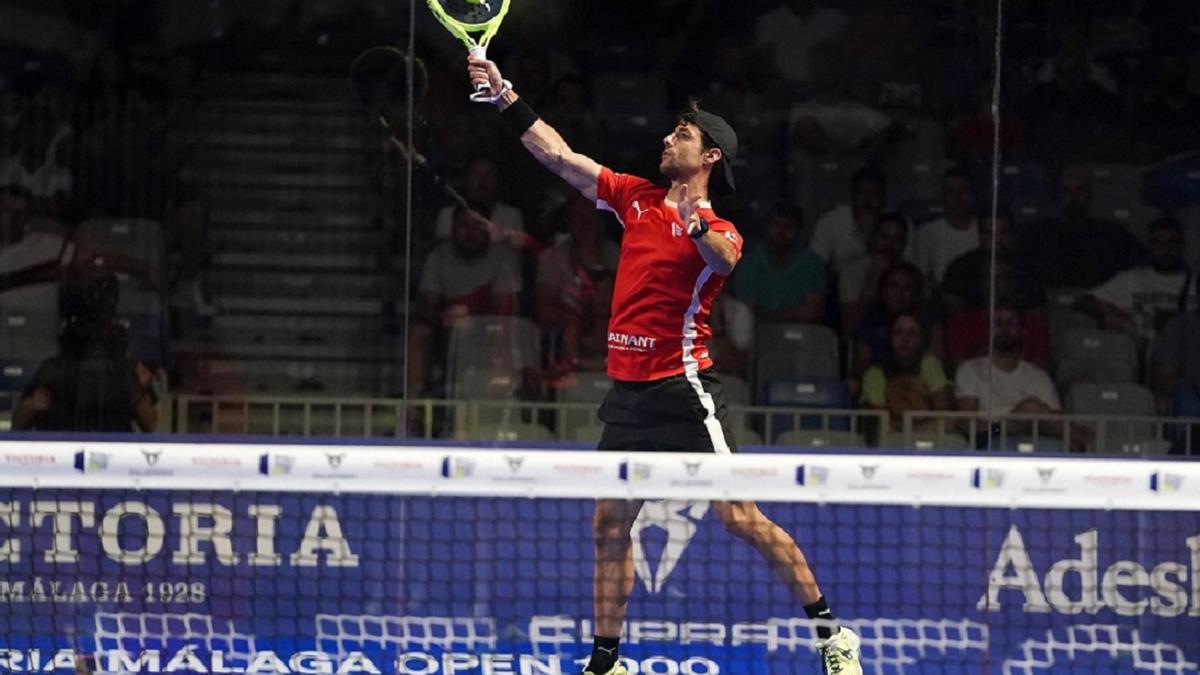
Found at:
<point>780,279</point>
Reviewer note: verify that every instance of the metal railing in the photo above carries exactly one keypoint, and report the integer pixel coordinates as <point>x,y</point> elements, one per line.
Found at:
<point>1106,434</point>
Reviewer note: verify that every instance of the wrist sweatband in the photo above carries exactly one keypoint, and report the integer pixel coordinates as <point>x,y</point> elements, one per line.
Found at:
<point>700,231</point>
<point>519,116</point>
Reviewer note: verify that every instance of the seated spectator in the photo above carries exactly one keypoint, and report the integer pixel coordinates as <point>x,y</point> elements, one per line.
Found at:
<point>732,323</point>
<point>567,274</point>
<point>31,263</point>
<point>841,234</point>
<point>1070,117</point>
<point>464,276</point>
<point>92,385</point>
<point>1141,300</point>
<point>482,188</point>
<point>1005,384</point>
<point>859,282</point>
<point>907,377</point>
<point>790,31</point>
<point>779,279</point>
<point>967,279</point>
<point>972,132</point>
<point>834,123</point>
<point>1175,362</point>
<point>967,330</point>
<point>1076,250</point>
<point>35,165</point>
<point>1166,118</point>
<point>901,290</point>
<point>937,243</point>
<point>585,337</point>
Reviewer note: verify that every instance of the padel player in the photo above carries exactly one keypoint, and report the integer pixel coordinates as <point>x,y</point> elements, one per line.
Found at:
<point>675,255</point>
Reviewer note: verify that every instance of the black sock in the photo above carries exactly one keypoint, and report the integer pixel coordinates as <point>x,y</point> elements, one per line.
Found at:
<point>604,654</point>
<point>820,610</point>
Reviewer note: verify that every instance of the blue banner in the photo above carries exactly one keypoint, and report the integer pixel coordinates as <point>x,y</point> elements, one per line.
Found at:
<point>209,581</point>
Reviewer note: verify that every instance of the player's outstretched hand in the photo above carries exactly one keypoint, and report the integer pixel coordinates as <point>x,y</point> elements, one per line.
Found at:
<point>688,209</point>
<point>484,71</point>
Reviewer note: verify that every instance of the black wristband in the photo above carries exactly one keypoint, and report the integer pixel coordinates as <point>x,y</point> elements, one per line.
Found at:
<point>519,116</point>
<point>700,231</point>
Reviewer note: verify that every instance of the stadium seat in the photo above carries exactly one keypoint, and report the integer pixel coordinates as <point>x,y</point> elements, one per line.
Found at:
<point>1174,185</point>
<point>490,344</point>
<point>16,373</point>
<point>746,437</point>
<point>1095,356</point>
<point>820,439</point>
<point>1116,188</point>
<point>589,434</point>
<point>136,239</point>
<point>1029,192</point>
<point>589,388</point>
<point>795,349</point>
<point>515,432</point>
<point>1116,401</point>
<point>817,392</point>
<point>735,390</point>
<point>1061,315</point>
<point>926,441</point>
<point>28,335</point>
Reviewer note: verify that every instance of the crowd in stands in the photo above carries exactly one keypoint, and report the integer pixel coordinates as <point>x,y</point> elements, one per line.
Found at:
<point>867,136</point>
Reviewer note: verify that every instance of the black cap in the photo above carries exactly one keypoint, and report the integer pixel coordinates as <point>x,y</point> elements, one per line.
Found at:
<point>722,135</point>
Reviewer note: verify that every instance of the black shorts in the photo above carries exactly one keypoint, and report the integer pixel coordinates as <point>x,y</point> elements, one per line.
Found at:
<point>668,415</point>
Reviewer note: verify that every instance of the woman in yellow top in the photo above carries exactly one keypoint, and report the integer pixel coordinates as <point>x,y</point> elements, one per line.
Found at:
<point>907,377</point>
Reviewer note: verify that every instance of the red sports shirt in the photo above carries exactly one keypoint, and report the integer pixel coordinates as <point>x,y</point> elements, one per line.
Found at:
<point>664,289</point>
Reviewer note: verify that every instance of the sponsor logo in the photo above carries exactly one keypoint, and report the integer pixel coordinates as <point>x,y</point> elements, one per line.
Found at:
<point>631,343</point>
<point>868,471</point>
<point>88,461</point>
<point>30,459</point>
<point>731,236</point>
<point>632,471</point>
<point>514,463</point>
<point>1045,475</point>
<point>679,521</point>
<point>676,230</point>
<point>335,460</point>
<point>809,475</point>
<point>216,461</point>
<point>637,207</point>
<point>276,464</point>
<point>1161,481</point>
<point>578,469</point>
<point>1082,585</point>
<point>151,456</point>
<point>988,479</point>
<point>457,467</point>
<point>692,466</point>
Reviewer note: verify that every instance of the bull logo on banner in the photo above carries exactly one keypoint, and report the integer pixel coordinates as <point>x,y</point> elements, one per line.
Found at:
<point>680,520</point>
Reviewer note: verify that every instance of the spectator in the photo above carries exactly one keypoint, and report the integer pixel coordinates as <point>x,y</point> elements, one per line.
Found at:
<point>92,385</point>
<point>464,276</point>
<point>483,188</point>
<point>967,330</point>
<point>1175,362</point>
<point>859,282</point>
<point>938,242</point>
<point>567,273</point>
<point>907,377</point>
<point>1077,250</point>
<point>790,31</point>
<point>732,323</point>
<point>832,122</point>
<point>972,132</point>
<point>570,114</point>
<point>841,234</point>
<point>1166,117</point>
<point>779,279</point>
<point>35,165</point>
<point>1005,384</point>
<point>967,279</point>
<point>1070,117</point>
<point>1141,300</point>
<point>30,262</point>
<point>585,338</point>
<point>901,289</point>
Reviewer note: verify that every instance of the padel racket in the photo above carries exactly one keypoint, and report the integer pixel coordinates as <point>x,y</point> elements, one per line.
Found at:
<point>463,18</point>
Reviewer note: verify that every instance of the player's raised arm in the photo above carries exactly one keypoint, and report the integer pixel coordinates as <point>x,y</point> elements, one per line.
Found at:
<point>542,141</point>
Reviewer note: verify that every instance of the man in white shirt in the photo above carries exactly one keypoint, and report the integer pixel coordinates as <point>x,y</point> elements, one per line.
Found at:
<point>30,262</point>
<point>1017,386</point>
<point>790,30</point>
<point>937,243</point>
<point>482,188</point>
<point>1141,300</point>
<point>841,233</point>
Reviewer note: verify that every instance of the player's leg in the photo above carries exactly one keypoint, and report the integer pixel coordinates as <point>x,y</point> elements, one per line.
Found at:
<point>614,578</point>
<point>838,646</point>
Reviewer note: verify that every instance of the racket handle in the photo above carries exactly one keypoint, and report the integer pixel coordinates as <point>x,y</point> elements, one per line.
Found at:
<point>481,89</point>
